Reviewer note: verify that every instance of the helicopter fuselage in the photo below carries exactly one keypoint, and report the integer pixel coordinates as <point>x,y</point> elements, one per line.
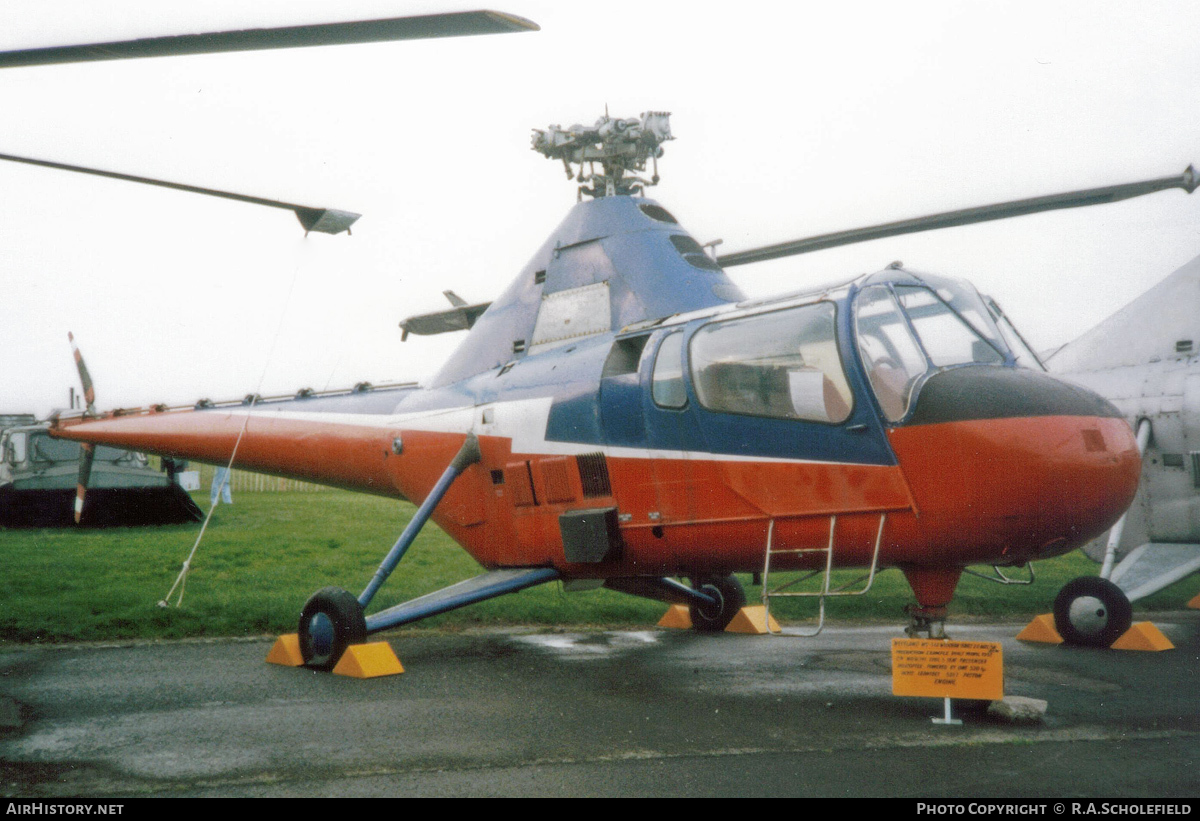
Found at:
<point>637,417</point>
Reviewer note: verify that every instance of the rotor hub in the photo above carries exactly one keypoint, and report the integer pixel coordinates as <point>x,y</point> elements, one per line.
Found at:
<point>621,147</point>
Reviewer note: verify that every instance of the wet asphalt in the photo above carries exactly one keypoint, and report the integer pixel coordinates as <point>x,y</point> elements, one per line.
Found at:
<point>654,712</point>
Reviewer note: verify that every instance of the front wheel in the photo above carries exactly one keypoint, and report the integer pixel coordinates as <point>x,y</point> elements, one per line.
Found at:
<point>729,596</point>
<point>331,621</point>
<point>1092,612</point>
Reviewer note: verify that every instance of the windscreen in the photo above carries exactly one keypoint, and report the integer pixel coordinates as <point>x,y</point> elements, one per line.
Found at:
<point>908,331</point>
<point>947,337</point>
<point>890,352</point>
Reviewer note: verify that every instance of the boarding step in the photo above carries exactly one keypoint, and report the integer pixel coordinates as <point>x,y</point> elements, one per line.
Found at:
<point>787,589</point>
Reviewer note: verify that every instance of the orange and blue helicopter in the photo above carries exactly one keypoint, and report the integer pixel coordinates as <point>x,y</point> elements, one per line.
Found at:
<point>623,416</point>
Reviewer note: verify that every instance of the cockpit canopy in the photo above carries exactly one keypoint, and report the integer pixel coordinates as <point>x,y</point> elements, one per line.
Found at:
<point>909,326</point>
<point>788,360</point>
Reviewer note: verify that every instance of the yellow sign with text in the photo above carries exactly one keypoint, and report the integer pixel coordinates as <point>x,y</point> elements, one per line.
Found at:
<point>947,669</point>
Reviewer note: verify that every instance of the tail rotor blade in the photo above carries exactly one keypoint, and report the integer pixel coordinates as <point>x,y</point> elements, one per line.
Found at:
<point>87,452</point>
<point>85,378</point>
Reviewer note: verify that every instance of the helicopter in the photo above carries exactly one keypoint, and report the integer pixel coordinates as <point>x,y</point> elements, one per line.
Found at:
<point>1143,358</point>
<point>622,416</point>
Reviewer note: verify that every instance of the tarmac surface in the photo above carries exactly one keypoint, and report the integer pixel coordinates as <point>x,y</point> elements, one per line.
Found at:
<point>595,713</point>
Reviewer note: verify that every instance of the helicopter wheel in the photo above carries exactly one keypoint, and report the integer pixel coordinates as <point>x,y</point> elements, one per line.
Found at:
<point>730,596</point>
<point>1092,612</point>
<point>331,621</point>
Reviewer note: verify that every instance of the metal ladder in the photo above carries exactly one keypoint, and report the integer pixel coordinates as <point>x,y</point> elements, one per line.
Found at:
<point>785,589</point>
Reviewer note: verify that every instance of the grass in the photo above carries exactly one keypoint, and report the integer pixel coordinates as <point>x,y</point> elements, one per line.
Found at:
<point>263,556</point>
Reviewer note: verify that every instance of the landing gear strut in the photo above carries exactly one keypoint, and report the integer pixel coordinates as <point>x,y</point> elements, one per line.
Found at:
<point>334,619</point>
<point>933,587</point>
<point>925,622</point>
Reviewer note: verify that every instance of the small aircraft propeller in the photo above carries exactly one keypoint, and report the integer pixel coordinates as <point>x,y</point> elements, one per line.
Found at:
<point>87,451</point>
<point>1188,181</point>
<point>457,24</point>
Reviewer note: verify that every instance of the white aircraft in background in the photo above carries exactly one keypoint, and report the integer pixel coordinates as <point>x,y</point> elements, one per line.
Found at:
<point>1145,359</point>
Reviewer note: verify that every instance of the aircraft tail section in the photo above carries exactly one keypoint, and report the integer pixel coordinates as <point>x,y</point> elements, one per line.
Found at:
<point>348,450</point>
<point>1152,326</point>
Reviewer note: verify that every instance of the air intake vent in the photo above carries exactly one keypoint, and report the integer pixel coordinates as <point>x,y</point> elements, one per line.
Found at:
<point>657,212</point>
<point>690,250</point>
<point>593,473</point>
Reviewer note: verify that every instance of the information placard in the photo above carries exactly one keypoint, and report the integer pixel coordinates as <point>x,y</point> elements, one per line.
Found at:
<point>947,669</point>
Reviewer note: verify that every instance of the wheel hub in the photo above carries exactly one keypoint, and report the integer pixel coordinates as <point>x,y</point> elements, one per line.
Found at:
<point>320,628</point>
<point>1088,614</point>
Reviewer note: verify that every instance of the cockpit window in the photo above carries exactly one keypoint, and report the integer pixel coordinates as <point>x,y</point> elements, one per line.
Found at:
<point>964,300</point>
<point>890,352</point>
<point>1012,337</point>
<point>783,364</point>
<point>911,326</point>
<point>947,337</point>
<point>667,382</point>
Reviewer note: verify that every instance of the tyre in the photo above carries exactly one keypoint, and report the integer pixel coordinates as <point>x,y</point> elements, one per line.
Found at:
<point>331,621</point>
<point>1092,612</point>
<point>730,598</point>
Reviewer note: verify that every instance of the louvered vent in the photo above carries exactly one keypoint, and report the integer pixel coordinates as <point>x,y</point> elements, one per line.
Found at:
<point>593,473</point>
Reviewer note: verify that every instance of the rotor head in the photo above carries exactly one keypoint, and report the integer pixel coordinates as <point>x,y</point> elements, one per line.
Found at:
<point>622,147</point>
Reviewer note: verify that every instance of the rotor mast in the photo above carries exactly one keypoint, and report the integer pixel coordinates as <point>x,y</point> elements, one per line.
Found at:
<point>622,147</point>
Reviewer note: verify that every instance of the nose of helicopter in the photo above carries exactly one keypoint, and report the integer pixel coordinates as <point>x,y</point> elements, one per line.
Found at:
<point>1007,465</point>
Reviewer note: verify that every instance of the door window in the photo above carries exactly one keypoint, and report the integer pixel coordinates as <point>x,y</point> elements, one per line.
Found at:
<point>784,364</point>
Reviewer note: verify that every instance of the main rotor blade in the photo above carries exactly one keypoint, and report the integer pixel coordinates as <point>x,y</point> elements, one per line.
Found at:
<point>458,24</point>
<point>1188,181</point>
<point>325,220</point>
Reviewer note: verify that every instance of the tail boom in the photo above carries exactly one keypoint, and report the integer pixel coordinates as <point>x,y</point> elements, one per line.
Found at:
<point>348,451</point>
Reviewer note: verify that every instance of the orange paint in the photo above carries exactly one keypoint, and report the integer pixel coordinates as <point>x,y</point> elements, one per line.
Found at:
<point>984,491</point>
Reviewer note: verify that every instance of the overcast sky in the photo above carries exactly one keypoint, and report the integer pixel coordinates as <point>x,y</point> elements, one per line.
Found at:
<point>791,119</point>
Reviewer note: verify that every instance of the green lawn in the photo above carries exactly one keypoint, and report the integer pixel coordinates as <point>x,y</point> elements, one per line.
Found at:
<point>264,555</point>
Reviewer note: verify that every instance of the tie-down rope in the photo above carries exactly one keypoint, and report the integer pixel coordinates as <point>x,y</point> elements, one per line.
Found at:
<point>181,579</point>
